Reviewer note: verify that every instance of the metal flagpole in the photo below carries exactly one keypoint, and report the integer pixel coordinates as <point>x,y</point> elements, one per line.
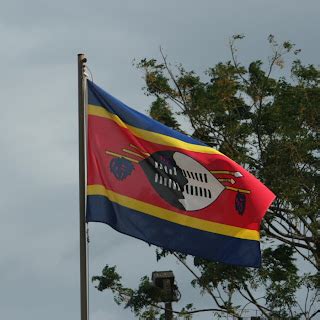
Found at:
<point>82,186</point>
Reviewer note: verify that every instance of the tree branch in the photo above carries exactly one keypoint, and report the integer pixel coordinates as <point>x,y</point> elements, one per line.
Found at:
<point>254,301</point>
<point>281,238</point>
<point>173,78</point>
<point>198,278</point>
<point>235,63</point>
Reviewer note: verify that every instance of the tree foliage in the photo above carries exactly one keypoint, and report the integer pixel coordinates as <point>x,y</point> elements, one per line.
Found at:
<point>269,125</point>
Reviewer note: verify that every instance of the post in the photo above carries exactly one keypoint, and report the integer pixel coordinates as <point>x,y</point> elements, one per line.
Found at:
<point>82,188</point>
<point>168,314</point>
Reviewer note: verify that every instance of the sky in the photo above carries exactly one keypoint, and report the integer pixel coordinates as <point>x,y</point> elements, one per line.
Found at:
<point>40,40</point>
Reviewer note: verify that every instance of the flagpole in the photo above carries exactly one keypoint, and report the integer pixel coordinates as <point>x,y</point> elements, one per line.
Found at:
<point>82,187</point>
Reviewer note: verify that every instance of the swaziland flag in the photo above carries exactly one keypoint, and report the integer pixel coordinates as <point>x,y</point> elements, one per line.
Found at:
<point>168,189</point>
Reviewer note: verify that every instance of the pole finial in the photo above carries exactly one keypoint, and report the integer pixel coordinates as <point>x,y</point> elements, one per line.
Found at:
<point>82,58</point>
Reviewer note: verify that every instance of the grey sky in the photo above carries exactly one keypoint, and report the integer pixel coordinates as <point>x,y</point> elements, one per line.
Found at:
<point>39,193</point>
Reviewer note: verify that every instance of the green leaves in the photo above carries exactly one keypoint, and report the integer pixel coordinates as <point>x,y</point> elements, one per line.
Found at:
<point>109,279</point>
<point>161,112</point>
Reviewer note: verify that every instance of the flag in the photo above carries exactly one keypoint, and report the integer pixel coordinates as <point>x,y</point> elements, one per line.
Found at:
<point>168,189</point>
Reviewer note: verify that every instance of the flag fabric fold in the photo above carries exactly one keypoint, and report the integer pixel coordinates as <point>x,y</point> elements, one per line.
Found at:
<point>168,189</point>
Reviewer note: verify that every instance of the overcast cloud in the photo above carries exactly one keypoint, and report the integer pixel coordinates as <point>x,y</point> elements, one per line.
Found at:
<point>39,165</point>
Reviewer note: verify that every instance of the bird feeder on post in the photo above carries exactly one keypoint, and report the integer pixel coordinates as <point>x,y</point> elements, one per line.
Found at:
<point>164,280</point>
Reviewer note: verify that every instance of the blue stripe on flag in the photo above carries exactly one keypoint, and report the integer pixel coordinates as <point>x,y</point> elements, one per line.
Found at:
<point>172,236</point>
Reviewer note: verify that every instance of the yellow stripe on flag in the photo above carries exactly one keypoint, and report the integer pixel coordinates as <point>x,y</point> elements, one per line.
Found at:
<point>171,216</point>
<point>149,135</point>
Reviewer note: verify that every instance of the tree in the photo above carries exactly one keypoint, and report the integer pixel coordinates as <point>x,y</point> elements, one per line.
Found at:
<point>269,125</point>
